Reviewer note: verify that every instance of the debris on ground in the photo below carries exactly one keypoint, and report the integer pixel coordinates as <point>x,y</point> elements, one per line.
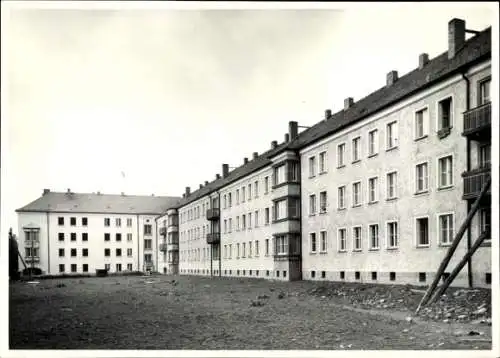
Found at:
<point>262,297</point>
<point>281,295</point>
<point>256,303</point>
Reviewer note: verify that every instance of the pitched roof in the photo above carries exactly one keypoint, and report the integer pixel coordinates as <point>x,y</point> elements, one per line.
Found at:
<point>100,203</point>
<point>476,49</point>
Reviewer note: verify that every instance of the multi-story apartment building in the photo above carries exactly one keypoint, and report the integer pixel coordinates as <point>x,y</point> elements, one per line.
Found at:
<point>373,193</point>
<point>64,233</point>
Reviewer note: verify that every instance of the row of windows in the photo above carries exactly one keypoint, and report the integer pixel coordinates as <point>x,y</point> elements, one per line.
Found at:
<point>239,272</point>
<point>85,268</point>
<point>148,229</point>
<point>118,252</point>
<point>203,254</point>
<point>72,221</point>
<point>73,252</point>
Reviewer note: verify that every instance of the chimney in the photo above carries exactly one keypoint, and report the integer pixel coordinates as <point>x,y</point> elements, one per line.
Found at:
<point>392,77</point>
<point>456,36</point>
<point>328,113</point>
<point>274,144</point>
<point>183,195</point>
<point>69,191</point>
<point>245,160</point>
<point>217,176</point>
<point>423,59</point>
<point>287,137</point>
<point>46,191</point>
<point>348,102</point>
<point>188,191</point>
<point>206,182</point>
<point>255,155</point>
<point>123,194</point>
<point>98,193</point>
<point>225,170</point>
<point>293,130</point>
<point>201,186</point>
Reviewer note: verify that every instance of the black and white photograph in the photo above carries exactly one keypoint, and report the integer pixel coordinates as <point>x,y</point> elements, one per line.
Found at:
<point>249,179</point>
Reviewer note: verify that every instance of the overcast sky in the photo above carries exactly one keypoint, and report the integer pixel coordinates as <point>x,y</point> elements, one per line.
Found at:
<point>168,96</point>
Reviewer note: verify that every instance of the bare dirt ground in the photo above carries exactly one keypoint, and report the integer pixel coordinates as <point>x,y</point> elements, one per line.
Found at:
<point>181,312</point>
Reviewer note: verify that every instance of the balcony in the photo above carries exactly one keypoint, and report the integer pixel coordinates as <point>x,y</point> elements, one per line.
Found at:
<point>31,243</point>
<point>477,122</point>
<point>163,230</point>
<point>31,259</point>
<point>163,247</point>
<point>213,214</point>
<point>474,181</point>
<point>213,238</point>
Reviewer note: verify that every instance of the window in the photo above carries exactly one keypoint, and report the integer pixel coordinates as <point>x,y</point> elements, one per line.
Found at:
<point>118,252</point>
<point>312,239</point>
<point>356,194</point>
<point>230,199</point>
<point>60,221</point>
<point>485,156</point>
<point>266,185</point>
<point>148,229</point>
<point>445,120</point>
<point>118,237</point>
<point>445,172</point>
<point>237,223</point>
<point>85,268</point>
<point>392,135</point>
<point>293,171</point>
<point>266,216</point>
<point>372,190</point>
<point>118,222</point>
<point>356,235</point>
<point>243,195</point>
<point>61,236</point>
<point>281,245</point>
<point>118,267</point>
<point>341,197</point>
<point>356,147</point>
<point>421,124</point>
<point>267,248</point>
<point>237,196</point>
<point>237,251</point>
<point>323,241</point>
<point>73,236</point>
<point>340,155</point>
<point>422,232</point>
<point>243,250</point>
<point>61,252</point>
<point>148,244</point>
<point>243,222</point>
<point>485,222</point>
<point>322,163</point>
<point>422,178</point>
<point>84,221</point>
<point>256,186</point>
<point>72,221</point>
<point>249,249</point>
<point>85,236</point>
<point>322,202</point>
<point>129,237</point>
<point>107,221</point>
<point>107,252</point>
<point>256,247</point>
<point>312,167</point>
<point>107,267</point>
<point>279,174</point>
<point>374,237</point>
<point>73,267</point>
<point>129,222</point>
<point>342,234</point>
<point>230,250</point>
<point>445,229</point>
<point>391,185</point>
<point>280,209</point>
<point>129,267</point>
<point>372,142</point>
<point>31,252</point>
<point>225,201</point>
<point>85,252</point>
<point>225,226</point>
<point>312,204</point>
<point>249,192</point>
<point>129,252</point>
<point>484,92</point>
<point>230,226</point>
<point>256,218</point>
<point>392,235</point>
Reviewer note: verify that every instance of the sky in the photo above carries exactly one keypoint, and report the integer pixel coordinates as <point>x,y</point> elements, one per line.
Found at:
<point>167,95</point>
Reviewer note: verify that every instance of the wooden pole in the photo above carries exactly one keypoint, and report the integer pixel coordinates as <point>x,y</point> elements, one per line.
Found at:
<point>454,245</point>
<point>460,266</point>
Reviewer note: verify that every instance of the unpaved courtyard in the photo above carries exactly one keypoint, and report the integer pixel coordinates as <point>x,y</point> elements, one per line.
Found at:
<point>179,312</point>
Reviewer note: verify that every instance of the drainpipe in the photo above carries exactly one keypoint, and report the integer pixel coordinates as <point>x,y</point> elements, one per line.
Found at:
<point>220,234</point>
<point>138,241</point>
<point>48,244</point>
<point>468,147</point>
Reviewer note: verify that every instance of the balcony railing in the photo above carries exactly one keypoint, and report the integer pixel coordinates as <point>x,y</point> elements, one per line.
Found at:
<point>474,181</point>
<point>163,230</point>
<point>32,259</point>
<point>477,120</point>
<point>213,214</point>
<point>31,243</point>
<point>163,247</point>
<point>213,238</point>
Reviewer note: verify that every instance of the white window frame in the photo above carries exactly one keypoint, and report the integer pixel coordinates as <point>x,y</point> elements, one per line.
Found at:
<point>452,111</point>
<point>438,171</point>
<point>311,242</point>
<point>387,185</point>
<point>339,230</point>
<point>425,124</point>
<point>344,196</point>
<point>311,162</point>
<point>426,179</point>
<point>344,146</point>
<point>360,194</point>
<point>417,231</point>
<point>353,231</point>
<point>312,204</point>
<point>356,149</point>
<point>376,191</point>
<point>323,210</point>
<point>438,226</point>
<point>375,142</point>
<point>387,234</point>
<point>370,246</point>
<point>323,164</point>
<point>396,140</point>
<point>321,248</point>
<point>480,223</point>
